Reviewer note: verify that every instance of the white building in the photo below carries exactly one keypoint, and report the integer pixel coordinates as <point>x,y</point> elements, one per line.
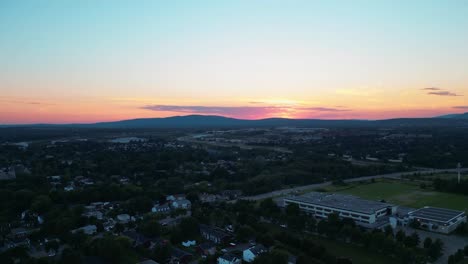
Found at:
<point>439,220</point>
<point>250,254</point>
<point>229,259</point>
<point>372,214</point>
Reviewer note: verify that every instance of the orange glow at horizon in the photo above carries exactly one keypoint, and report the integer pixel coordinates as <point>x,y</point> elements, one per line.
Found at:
<point>342,105</point>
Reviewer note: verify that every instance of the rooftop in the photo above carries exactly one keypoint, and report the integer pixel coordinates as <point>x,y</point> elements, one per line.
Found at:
<point>341,201</point>
<point>436,214</point>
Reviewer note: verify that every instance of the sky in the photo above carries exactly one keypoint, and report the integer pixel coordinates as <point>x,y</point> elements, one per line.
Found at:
<point>64,61</point>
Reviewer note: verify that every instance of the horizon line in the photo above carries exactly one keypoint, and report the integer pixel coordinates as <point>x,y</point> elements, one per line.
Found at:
<point>174,116</point>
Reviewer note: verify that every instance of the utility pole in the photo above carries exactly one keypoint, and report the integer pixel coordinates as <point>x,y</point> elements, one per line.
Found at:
<point>458,170</point>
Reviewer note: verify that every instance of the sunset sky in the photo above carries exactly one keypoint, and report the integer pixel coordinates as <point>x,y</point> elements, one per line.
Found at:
<point>64,61</point>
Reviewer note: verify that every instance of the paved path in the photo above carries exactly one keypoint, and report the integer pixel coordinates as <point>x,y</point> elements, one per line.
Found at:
<point>452,243</point>
<point>396,175</point>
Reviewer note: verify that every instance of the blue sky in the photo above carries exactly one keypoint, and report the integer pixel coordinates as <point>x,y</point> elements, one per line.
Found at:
<point>227,53</point>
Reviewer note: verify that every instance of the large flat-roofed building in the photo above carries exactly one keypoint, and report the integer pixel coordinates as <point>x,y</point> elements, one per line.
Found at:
<point>372,214</point>
<point>438,219</point>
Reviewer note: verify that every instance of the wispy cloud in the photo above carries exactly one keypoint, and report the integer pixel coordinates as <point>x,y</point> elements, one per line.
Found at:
<point>461,107</point>
<point>23,102</point>
<point>431,89</point>
<point>444,93</point>
<point>324,109</point>
<point>243,111</point>
<point>439,91</point>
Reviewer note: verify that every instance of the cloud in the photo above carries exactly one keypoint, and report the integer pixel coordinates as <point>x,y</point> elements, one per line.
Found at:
<point>444,93</point>
<point>461,107</point>
<point>243,111</point>
<point>23,102</point>
<point>440,92</point>
<point>431,89</point>
<point>324,109</point>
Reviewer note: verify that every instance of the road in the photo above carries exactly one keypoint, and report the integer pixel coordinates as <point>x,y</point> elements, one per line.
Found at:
<point>396,175</point>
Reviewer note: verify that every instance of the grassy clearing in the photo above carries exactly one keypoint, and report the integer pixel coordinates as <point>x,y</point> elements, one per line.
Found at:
<point>405,194</point>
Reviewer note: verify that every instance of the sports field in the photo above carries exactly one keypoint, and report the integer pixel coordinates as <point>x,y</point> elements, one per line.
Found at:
<point>404,194</point>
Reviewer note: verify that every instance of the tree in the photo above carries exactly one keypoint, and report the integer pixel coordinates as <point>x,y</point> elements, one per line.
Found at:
<point>400,236</point>
<point>150,228</point>
<point>244,233</point>
<point>292,210</point>
<point>269,207</point>
<point>189,227</point>
<point>41,204</point>
<point>162,252</point>
<point>70,256</point>
<point>427,243</point>
<point>436,249</point>
<point>412,241</point>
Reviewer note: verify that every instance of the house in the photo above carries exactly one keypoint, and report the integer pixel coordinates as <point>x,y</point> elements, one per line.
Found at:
<point>175,197</point>
<point>18,237</point>
<point>207,248</point>
<point>88,230</point>
<point>181,204</point>
<point>137,239</point>
<point>207,198</point>
<point>161,209</point>
<point>148,261</point>
<point>229,259</point>
<point>123,218</point>
<point>7,173</point>
<point>69,188</point>
<point>250,254</point>
<point>214,234</point>
<point>180,256</point>
<point>189,243</point>
<point>96,214</point>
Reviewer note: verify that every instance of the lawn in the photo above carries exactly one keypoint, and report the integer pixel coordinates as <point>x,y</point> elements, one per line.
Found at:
<point>404,194</point>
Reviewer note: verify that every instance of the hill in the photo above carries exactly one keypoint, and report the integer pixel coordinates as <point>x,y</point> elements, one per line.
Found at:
<point>207,121</point>
<point>456,116</point>
<point>197,121</point>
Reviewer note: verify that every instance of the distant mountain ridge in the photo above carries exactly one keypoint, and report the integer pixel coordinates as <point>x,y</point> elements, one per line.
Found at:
<point>212,121</point>
<point>457,116</point>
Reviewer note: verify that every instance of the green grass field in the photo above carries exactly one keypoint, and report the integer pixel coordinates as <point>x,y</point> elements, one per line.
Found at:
<point>404,194</point>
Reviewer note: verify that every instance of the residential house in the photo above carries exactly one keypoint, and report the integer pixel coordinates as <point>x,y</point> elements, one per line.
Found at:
<point>7,173</point>
<point>250,254</point>
<point>123,218</point>
<point>18,237</point>
<point>208,198</point>
<point>148,261</point>
<point>207,248</point>
<point>229,259</point>
<point>180,256</point>
<point>88,230</point>
<point>181,204</point>
<point>137,239</point>
<point>175,197</point>
<point>161,208</point>
<point>189,243</point>
<point>214,234</point>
